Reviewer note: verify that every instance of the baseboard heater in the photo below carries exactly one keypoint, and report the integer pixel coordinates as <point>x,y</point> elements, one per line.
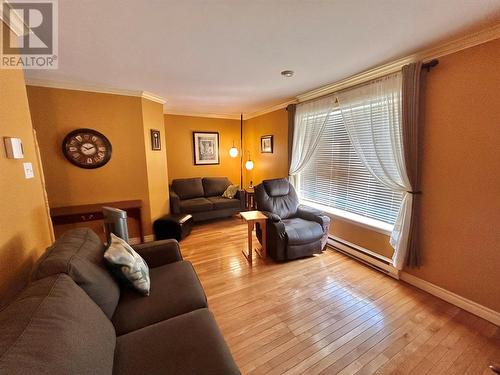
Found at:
<point>365,256</point>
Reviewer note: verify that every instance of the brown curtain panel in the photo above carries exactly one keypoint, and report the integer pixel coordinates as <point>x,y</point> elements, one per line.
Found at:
<point>412,128</point>
<point>291,127</point>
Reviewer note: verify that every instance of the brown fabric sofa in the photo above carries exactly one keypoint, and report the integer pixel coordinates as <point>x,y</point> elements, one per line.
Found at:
<point>202,198</point>
<point>73,318</point>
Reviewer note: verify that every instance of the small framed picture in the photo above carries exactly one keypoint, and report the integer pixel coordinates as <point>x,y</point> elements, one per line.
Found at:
<point>155,140</point>
<point>206,148</point>
<point>266,144</point>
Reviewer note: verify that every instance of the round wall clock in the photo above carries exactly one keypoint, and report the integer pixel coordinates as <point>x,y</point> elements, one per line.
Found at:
<point>86,148</point>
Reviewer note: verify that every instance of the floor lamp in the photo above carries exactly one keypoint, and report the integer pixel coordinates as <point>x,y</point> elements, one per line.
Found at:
<point>233,152</point>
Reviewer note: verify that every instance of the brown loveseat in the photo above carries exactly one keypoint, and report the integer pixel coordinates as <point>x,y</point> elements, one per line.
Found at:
<point>202,198</point>
<point>73,318</point>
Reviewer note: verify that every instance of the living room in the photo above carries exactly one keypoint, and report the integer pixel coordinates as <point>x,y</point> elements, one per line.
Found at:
<point>363,171</point>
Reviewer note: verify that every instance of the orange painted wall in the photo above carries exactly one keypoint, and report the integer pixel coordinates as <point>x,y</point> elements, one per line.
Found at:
<point>156,161</point>
<point>179,141</point>
<point>365,237</point>
<point>461,175</point>
<point>122,119</point>
<point>266,166</point>
<point>24,222</point>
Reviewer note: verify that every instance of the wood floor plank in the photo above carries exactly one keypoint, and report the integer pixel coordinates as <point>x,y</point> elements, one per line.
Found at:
<point>330,314</point>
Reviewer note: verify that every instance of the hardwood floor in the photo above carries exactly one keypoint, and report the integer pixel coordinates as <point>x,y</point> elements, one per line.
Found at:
<point>330,314</point>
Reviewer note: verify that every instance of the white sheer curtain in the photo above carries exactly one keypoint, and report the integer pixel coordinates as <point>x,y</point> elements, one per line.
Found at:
<point>372,117</point>
<point>310,120</point>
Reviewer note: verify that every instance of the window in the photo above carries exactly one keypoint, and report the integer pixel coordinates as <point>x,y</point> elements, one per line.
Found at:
<point>336,178</point>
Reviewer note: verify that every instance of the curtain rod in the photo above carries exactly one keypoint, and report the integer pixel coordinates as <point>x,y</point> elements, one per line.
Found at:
<point>428,65</point>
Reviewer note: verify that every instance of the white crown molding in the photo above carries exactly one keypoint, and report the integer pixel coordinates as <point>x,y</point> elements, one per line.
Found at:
<point>470,40</point>
<point>224,116</point>
<point>467,41</point>
<point>228,116</point>
<point>16,24</point>
<point>455,45</point>
<point>464,303</point>
<point>269,109</point>
<point>96,89</point>
<point>153,97</point>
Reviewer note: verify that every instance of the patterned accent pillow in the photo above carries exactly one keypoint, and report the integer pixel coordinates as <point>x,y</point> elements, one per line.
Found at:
<point>231,191</point>
<point>127,265</point>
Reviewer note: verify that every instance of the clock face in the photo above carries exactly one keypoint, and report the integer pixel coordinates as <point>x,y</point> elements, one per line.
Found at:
<point>87,148</point>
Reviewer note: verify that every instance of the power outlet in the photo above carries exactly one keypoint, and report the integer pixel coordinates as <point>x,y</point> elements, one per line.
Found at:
<point>28,170</point>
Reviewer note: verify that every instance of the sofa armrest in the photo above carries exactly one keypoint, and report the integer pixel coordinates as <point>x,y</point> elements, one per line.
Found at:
<point>175,202</point>
<point>272,217</point>
<point>311,214</point>
<point>159,253</point>
<point>241,195</point>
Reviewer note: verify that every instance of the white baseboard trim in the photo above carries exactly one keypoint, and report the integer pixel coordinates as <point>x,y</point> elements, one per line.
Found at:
<point>137,240</point>
<point>381,264</point>
<point>464,303</point>
<point>363,255</point>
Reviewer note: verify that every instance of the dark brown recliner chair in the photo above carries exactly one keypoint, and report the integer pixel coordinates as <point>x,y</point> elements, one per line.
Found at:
<point>293,230</point>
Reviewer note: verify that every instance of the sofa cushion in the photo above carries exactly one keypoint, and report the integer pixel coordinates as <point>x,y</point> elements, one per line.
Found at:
<point>53,327</point>
<point>175,289</point>
<point>80,254</point>
<point>187,188</point>
<point>231,191</point>
<point>215,185</point>
<point>188,344</point>
<point>196,205</point>
<point>300,231</point>
<point>127,266</point>
<point>221,203</point>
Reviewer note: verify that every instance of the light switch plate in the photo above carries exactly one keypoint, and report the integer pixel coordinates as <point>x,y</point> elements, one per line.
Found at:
<point>13,148</point>
<point>28,170</point>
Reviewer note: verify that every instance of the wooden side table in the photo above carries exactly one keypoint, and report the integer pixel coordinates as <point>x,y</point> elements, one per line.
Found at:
<point>250,193</point>
<point>252,217</point>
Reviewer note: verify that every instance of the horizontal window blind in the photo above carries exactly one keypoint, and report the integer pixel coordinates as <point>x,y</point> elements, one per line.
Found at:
<point>336,177</point>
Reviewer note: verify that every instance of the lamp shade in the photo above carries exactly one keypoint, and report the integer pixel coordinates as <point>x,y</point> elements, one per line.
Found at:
<point>233,152</point>
<point>249,165</point>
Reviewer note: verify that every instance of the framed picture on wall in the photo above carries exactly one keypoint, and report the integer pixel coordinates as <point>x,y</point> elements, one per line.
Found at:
<point>155,140</point>
<point>266,144</point>
<point>206,148</point>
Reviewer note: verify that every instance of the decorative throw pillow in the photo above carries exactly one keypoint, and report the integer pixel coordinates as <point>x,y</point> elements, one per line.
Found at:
<point>231,191</point>
<point>127,265</point>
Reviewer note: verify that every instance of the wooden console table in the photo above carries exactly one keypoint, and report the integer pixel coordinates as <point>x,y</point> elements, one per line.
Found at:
<point>91,212</point>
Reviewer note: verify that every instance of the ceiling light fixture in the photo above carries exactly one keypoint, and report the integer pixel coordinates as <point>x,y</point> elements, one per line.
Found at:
<point>287,73</point>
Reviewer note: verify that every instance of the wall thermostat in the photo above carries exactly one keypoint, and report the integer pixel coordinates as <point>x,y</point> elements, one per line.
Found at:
<point>13,148</point>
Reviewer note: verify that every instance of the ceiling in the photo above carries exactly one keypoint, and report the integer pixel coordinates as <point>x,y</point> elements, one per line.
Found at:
<point>225,57</point>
